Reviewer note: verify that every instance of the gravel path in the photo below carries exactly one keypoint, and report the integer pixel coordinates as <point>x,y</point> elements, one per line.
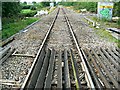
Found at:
<point>86,35</point>
<point>16,68</point>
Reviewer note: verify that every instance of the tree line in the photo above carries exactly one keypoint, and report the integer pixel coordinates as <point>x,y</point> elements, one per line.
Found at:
<point>10,9</point>
<point>91,6</point>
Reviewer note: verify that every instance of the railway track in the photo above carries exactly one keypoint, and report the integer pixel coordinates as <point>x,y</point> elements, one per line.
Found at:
<point>57,68</point>
<point>66,65</point>
<point>104,67</point>
<point>71,68</point>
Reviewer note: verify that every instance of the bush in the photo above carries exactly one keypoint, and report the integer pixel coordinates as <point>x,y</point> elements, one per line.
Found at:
<point>29,14</point>
<point>10,9</point>
<point>33,8</point>
<point>26,7</point>
<point>118,22</point>
<point>12,28</point>
<point>29,7</point>
<point>7,20</point>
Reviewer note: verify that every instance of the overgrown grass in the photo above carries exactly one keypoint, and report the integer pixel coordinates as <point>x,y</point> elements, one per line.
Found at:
<point>104,22</point>
<point>107,35</point>
<point>27,11</point>
<point>14,27</point>
<point>103,33</point>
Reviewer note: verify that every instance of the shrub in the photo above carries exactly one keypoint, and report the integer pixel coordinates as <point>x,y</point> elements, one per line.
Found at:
<point>26,7</point>
<point>29,14</point>
<point>118,22</point>
<point>33,8</point>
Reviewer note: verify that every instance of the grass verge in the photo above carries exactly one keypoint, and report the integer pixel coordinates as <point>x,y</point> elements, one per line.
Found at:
<point>14,27</point>
<point>26,11</point>
<point>107,35</point>
<point>104,22</point>
<point>103,33</point>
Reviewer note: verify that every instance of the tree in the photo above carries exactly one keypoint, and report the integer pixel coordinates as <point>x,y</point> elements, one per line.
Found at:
<point>44,4</point>
<point>34,2</point>
<point>25,3</point>
<point>10,9</point>
<point>116,9</point>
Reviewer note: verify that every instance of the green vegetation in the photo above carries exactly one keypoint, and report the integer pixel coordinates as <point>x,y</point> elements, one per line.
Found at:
<point>90,6</point>
<point>12,28</point>
<point>104,22</point>
<point>26,11</point>
<point>14,16</point>
<point>116,9</point>
<point>107,35</point>
<point>10,9</point>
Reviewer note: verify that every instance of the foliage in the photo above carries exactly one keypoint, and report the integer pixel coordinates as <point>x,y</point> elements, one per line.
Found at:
<point>34,2</point>
<point>45,4</point>
<point>118,22</point>
<point>116,9</point>
<point>33,8</point>
<point>26,6</point>
<point>107,35</point>
<point>27,13</point>
<point>14,27</point>
<point>10,9</point>
<point>90,6</point>
<point>25,3</point>
<point>67,3</point>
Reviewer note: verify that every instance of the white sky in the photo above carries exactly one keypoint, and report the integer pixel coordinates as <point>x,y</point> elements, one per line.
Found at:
<point>36,0</point>
<point>31,0</point>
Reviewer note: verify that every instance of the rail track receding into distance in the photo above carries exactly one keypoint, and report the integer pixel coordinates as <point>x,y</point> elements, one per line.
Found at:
<point>71,67</point>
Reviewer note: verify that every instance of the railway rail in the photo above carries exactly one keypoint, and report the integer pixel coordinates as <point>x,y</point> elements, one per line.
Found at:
<point>104,67</point>
<point>42,68</point>
<point>72,67</point>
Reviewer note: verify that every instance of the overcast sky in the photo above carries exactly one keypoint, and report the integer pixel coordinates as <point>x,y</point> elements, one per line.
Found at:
<point>36,0</point>
<point>31,0</point>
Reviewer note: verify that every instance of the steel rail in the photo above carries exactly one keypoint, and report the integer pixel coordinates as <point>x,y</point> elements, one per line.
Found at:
<point>108,63</point>
<point>43,72</point>
<point>107,85</point>
<point>66,70</point>
<point>35,73</point>
<point>75,71</point>
<point>39,51</point>
<point>60,71</point>
<point>117,59</point>
<point>88,78</point>
<point>49,75</point>
<point>95,78</point>
<point>6,56</point>
<point>4,52</point>
<point>115,52</point>
<point>110,59</point>
<point>106,70</point>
